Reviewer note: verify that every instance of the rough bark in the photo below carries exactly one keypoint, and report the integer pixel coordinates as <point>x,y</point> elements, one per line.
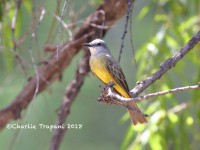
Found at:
<point>94,26</point>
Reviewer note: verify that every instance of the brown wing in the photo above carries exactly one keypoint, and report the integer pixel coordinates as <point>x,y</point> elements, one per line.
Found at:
<point>115,70</point>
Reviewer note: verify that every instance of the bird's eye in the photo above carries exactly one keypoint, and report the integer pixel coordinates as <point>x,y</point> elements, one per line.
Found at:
<point>98,44</point>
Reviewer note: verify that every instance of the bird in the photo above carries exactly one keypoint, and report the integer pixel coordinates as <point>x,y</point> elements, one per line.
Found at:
<point>104,66</point>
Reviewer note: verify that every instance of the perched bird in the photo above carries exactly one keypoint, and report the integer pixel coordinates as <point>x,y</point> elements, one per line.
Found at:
<point>106,68</point>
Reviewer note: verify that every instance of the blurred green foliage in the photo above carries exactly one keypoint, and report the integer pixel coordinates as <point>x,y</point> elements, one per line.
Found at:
<point>174,119</point>
<point>160,28</point>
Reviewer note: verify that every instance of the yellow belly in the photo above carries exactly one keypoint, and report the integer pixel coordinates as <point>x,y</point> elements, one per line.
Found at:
<point>98,68</point>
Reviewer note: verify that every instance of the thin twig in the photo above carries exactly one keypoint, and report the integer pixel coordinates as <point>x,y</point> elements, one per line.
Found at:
<point>60,27</point>
<point>131,37</point>
<point>125,29</point>
<point>167,92</point>
<point>108,96</point>
<point>31,53</point>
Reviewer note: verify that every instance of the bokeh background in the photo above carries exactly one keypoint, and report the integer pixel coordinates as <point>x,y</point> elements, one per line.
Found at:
<point>159,29</point>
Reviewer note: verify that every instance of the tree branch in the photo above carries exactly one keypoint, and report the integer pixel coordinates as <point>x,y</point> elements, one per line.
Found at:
<point>113,11</point>
<point>71,91</point>
<point>109,97</point>
<point>168,64</point>
<point>128,14</point>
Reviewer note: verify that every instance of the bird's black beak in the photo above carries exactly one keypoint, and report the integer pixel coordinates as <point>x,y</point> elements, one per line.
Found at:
<point>87,45</point>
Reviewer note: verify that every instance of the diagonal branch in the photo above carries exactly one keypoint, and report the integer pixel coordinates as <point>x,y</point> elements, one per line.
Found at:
<point>168,64</point>
<point>109,97</point>
<point>113,11</point>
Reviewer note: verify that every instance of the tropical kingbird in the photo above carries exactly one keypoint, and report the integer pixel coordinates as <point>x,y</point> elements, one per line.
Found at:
<point>106,68</point>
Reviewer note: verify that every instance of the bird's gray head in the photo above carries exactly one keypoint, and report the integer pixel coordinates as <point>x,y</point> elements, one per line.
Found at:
<point>97,46</point>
